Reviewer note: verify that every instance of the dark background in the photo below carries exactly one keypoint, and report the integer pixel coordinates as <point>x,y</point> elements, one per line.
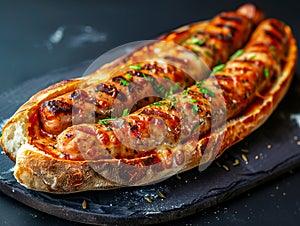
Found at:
<point>26,52</point>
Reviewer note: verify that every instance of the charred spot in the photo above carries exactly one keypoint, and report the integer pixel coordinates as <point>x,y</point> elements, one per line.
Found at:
<point>118,78</point>
<point>94,101</point>
<point>69,135</point>
<point>57,106</point>
<point>134,127</point>
<point>95,114</point>
<point>225,38</point>
<point>149,161</point>
<point>121,97</point>
<point>108,89</point>
<point>154,66</point>
<point>156,112</point>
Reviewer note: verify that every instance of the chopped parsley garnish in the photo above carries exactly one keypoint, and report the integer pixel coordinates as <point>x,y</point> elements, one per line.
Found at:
<point>252,57</point>
<point>173,88</point>
<point>160,103</point>
<point>105,121</point>
<point>198,42</point>
<point>174,101</point>
<point>187,90</point>
<point>207,53</point>
<point>128,76</point>
<point>204,90</point>
<point>266,72</point>
<point>125,112</point>
<point>218,62</point>
<point>237,54</point>
<point>193,100</point>
<point>124,82</point>
<point>213,48</point>
<point>135,67</point>
<point>218,68</point>
<point>195,109</point>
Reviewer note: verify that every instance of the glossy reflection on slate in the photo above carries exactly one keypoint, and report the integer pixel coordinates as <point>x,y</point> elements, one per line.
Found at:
<point>270,151</point>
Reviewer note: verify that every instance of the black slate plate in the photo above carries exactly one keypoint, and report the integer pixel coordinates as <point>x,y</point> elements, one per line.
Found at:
<point>273,150</point>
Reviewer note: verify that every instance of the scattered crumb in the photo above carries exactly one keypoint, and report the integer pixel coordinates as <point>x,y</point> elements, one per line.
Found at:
<point>256,157</point>
<point>225,167</point>
<point>218,164</point>
<point>245,150</point>
<point>148,199</point>
<point>244,157</point>
<point>236,162</point>
<point>295,137</point>
<point>269,146</point>
<point>160,194</point>
<point>298,142</point>
<point>178,177</point>
<point>84,204</point>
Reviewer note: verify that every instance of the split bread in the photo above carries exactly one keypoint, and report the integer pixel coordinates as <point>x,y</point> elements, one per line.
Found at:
<point>77,158</point>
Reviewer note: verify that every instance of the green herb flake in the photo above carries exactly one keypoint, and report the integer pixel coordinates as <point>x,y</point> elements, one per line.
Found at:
<point>214,48</point>
<point>237,54</point>
<point>207,91</point>
<point>218,62</point>
<point>125,112</point>
<point>252,57</point>
<point>204,90</point>
<point>135,67</point>
<point>207,53</point>
<point>124,82</point>
<point>266,72</point>
<point>105,121</point>
<point>193,100</point>
<point>128,76</point>
<point>195,109</point>
<point>218,68</point>
<point>187,90</point>
<point>174,101</point>
<point>198,42</point>
<point>160,103</point>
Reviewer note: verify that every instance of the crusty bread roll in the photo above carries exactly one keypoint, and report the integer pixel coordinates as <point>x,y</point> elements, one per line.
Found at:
<point>40,170</point>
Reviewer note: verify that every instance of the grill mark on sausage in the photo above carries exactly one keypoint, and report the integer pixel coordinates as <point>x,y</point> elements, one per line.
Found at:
<point>56,106</point>
<point>231,18</point>
<point>277,28</point>
<point>273,35</point>
<point>156,112</point>
<point>222,37</point>
<point>231,27</point>
<point>108,89</point>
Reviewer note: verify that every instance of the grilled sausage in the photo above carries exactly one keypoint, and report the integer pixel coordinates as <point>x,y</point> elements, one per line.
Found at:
<point>155,136</point>
<point>223,35</point>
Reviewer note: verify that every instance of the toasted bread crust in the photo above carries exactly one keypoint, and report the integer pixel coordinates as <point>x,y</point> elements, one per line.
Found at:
<point>36,170</point>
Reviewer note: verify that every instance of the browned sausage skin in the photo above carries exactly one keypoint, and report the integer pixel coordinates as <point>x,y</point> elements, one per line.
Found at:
<point>222,36</point>
<point>243,80</point>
